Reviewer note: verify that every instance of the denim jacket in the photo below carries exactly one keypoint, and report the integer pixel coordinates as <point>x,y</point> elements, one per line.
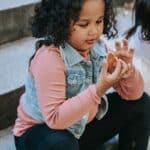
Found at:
<point>79,75</point>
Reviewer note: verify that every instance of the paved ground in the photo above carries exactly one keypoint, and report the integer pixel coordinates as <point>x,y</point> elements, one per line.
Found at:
<point>6,139</point>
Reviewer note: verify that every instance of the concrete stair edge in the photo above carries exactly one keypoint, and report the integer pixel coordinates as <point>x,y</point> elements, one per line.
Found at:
<point>15,22</point>
<point>8,108</point>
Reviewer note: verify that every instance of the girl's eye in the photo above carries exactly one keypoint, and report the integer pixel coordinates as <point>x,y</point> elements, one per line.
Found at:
<point>83,25</point>
<point>100,21</point>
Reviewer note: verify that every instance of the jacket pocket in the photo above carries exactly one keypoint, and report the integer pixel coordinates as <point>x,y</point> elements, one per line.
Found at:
<point>75,81</point>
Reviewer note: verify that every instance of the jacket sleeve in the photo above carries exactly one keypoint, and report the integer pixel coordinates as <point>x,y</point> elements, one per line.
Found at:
<point>132,87</point>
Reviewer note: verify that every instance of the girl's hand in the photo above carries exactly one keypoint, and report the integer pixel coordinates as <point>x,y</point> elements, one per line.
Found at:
<point>124,52</point>
<point>107,79</point>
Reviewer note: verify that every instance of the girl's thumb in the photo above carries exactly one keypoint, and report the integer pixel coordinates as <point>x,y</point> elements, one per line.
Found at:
<point>104,67</point>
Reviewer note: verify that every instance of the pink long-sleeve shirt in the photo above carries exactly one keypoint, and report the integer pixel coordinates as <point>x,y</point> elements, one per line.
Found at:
<point>48,71</point>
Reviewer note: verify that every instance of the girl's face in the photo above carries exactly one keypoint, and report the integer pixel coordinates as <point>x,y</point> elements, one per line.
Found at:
<point>88,29</point>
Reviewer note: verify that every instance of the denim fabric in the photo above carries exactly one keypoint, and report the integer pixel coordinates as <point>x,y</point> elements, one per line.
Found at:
<point>79,75</point>
<point>29,100</point>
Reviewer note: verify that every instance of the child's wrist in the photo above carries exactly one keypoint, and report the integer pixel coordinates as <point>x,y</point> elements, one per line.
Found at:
<point>99,91</point>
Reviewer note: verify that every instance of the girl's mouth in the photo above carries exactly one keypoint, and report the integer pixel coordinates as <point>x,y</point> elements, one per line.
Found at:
<point>90,41</point>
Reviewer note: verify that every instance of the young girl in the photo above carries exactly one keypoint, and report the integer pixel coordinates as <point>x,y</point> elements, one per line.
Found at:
<point>64,105</point>
<point>139,36</point>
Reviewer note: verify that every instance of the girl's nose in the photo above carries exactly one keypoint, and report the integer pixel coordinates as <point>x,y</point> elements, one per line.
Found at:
<point>93,30</point>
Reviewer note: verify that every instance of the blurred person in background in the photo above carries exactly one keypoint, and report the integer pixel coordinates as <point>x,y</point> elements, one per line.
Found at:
<point>139,38</point>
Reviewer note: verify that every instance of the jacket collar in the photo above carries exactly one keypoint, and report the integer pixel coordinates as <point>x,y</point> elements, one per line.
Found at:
<point>73,57</point>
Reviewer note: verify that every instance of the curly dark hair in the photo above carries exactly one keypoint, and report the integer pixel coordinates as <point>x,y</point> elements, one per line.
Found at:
<point>52,19</point>
<point>142,12</point>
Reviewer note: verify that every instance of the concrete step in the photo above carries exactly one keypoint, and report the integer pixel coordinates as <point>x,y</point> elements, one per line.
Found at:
<point>14,18</point>
<point>14,59</point>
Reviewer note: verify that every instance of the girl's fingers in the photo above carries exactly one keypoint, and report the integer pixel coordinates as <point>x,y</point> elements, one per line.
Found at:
<point>123,54</point>
<point>131,51</point>
<point>117,69</point>
<point>117,45</point>
<point>122,45</point>
<point>125,44</point>
<point>125,68</point>
<point>104,68</point>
